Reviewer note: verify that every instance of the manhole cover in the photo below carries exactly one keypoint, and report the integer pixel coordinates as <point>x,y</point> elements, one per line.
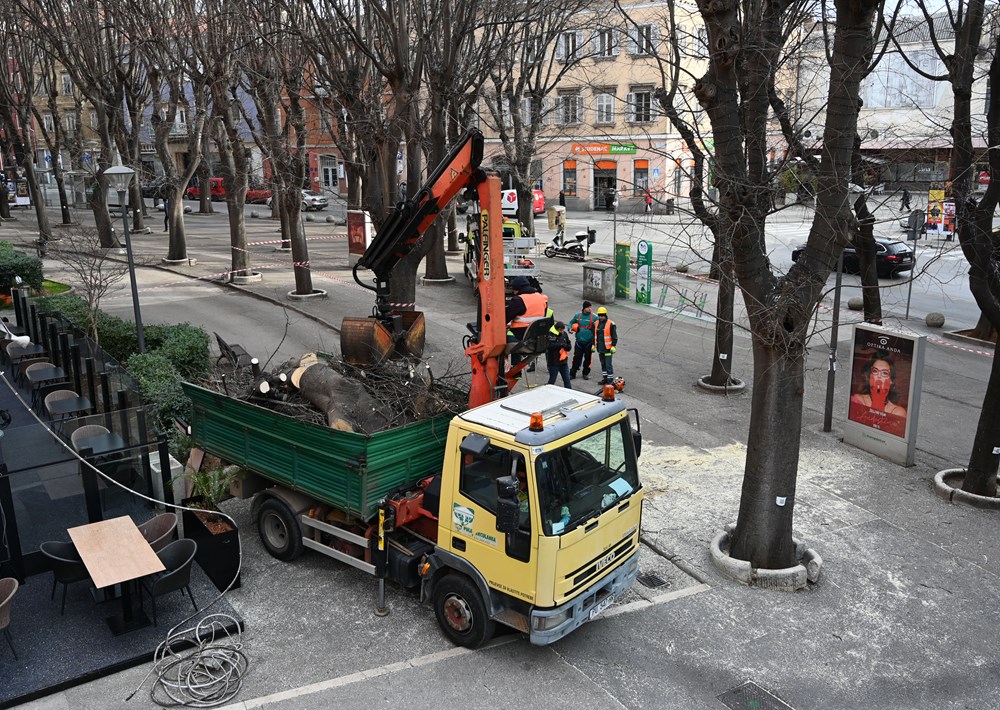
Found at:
<point>751,696</point>
<point>651,580</point>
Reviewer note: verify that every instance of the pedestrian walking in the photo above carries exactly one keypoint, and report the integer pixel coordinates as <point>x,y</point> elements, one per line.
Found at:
<point>605,344</point>
<point>649,201</point>
<point>562,198</point>
<point>166,214</point>
<point>582,324</point>
<point>905,204</point>
<point>557,354</point>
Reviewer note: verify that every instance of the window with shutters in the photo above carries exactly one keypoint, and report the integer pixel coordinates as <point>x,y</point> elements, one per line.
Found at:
<point>47,123</point>
<point>93,120</point>
<point>569,46</point>
<point>534,51</point>
<point>604,103</point>
<point>641,106</point>
<point>605,46</point>
<point>67,85</point>
<point>569,108</point>
<point>642,39</point>
<point>69,120</point>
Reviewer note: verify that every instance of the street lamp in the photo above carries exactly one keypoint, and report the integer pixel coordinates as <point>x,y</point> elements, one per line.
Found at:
<point>119,177</point>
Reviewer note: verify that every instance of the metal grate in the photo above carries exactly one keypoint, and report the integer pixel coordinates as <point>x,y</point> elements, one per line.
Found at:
<point>751,696</point>
<point>651,580</point>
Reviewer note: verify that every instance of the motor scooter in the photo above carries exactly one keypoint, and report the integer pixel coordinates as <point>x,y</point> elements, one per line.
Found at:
<point>571,249</point>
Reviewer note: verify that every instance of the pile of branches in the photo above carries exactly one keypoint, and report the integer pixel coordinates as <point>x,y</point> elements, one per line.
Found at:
<point>334,393</point>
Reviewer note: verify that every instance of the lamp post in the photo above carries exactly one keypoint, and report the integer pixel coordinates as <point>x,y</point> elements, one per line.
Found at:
<point>119,177</point>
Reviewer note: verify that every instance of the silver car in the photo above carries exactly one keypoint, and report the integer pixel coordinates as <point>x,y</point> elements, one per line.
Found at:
<point>313,201</point>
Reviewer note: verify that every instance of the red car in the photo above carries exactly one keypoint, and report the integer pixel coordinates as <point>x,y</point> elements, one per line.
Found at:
<point>216,191</point>
<point>258,195</point>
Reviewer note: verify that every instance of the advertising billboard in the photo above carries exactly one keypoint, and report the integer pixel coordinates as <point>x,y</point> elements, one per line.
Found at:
<point>886,371</point>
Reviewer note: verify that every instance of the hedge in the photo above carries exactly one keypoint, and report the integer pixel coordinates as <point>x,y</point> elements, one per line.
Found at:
<point>173,353</point>
<point>14,263</point>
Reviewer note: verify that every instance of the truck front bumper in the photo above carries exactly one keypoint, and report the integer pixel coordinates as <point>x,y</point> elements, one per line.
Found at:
<point>549,625</point>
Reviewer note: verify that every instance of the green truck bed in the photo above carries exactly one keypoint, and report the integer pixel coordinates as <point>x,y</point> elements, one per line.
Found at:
<point>347,470</point>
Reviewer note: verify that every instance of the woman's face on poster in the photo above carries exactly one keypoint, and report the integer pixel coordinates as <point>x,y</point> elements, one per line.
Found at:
<point>880,378</point>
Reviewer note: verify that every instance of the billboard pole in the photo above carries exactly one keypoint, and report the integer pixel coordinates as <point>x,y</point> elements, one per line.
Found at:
<point>831,375</point>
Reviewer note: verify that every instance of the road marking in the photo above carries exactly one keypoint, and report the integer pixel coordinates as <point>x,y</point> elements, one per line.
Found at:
<point>431,658</point>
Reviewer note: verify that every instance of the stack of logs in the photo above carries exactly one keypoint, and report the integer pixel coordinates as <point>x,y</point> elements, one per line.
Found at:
<point>342,396</point>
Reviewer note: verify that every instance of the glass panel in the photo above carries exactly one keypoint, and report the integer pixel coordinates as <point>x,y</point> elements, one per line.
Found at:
<point>579,482</point>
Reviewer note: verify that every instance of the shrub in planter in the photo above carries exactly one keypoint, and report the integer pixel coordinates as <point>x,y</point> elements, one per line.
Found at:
<point>185,345</point>
<point>218,541</point>
<point>14,263</point>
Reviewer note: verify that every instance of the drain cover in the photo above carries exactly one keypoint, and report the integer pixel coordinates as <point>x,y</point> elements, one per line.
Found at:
<point>751,696</point>
<point>651,580</point>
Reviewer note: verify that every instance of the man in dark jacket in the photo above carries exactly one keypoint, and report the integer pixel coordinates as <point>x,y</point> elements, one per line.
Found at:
<point>523,309</point>
<point>605,343</point>
<point>557,355</point>
<point>583,325</point>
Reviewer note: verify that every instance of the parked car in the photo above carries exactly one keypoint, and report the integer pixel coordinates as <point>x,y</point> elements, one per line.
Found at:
<point>216,191</point>
<point>508,201</point>
<point>310,201</point>
<point>891,257</point>
<point>313,201</point>
<point>258,195</point>
<point>151,188</point>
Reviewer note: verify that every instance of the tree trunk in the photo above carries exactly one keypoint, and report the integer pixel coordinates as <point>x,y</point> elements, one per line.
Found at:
<point>984,330</point>
<point>763,535</point>
<point>864,245</point>
<point>44,230</point>
<point>102,218</point>
<point>981,476</point>
<point>291,210</point>
<point>177,244</point>
<point>722,362</point>
<point>64,211</point>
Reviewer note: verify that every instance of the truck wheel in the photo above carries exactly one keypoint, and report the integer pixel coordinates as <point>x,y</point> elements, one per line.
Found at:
<point>461,612</point>
<point>279,530</point>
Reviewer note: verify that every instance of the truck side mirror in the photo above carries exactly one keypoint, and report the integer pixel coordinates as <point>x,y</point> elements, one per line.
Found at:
<point>508,507</point>
<point>637,441</point>
<point>475,444</point>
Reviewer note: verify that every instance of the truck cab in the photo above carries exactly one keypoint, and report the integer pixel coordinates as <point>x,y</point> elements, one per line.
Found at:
<point>569,460</point>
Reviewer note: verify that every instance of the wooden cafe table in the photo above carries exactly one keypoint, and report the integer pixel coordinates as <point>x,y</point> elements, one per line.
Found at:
<point>115,552</point>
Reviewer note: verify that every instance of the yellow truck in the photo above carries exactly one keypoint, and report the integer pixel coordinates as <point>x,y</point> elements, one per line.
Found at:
<point>522,510</point>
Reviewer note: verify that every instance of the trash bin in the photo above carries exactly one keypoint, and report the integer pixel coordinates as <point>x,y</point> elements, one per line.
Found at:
<point>668,206</point>
<point>556,215</point>
<point>599,283</point>
<point>916,224</point>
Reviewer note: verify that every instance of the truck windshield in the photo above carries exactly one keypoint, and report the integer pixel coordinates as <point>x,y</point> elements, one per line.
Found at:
<point>579,482</point>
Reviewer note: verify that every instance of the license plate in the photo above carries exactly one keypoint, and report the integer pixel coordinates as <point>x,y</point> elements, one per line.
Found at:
<point>601,606</point>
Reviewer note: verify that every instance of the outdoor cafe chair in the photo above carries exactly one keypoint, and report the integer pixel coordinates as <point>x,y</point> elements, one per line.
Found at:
<point>85,432</point>
<point>8,588</point>
<point>158,530</point>
<point>55,397</point>
<point>36,387</point>
<point>67,567</point>
<point>177,557</point>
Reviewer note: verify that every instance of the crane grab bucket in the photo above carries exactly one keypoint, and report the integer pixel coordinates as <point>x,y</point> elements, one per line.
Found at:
<point>369,341</point>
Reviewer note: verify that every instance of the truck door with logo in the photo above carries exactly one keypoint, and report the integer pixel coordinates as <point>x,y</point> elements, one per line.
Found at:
<point>505,561</point>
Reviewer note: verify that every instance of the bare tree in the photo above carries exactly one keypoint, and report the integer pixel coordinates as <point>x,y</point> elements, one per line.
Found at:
<point>745,43</point>
<point>80,251</point>
<point>534,51</point>
<point>17,95</point>
<point>974,221</point>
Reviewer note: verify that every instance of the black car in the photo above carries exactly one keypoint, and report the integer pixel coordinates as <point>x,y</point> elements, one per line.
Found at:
<point>891,257</point>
